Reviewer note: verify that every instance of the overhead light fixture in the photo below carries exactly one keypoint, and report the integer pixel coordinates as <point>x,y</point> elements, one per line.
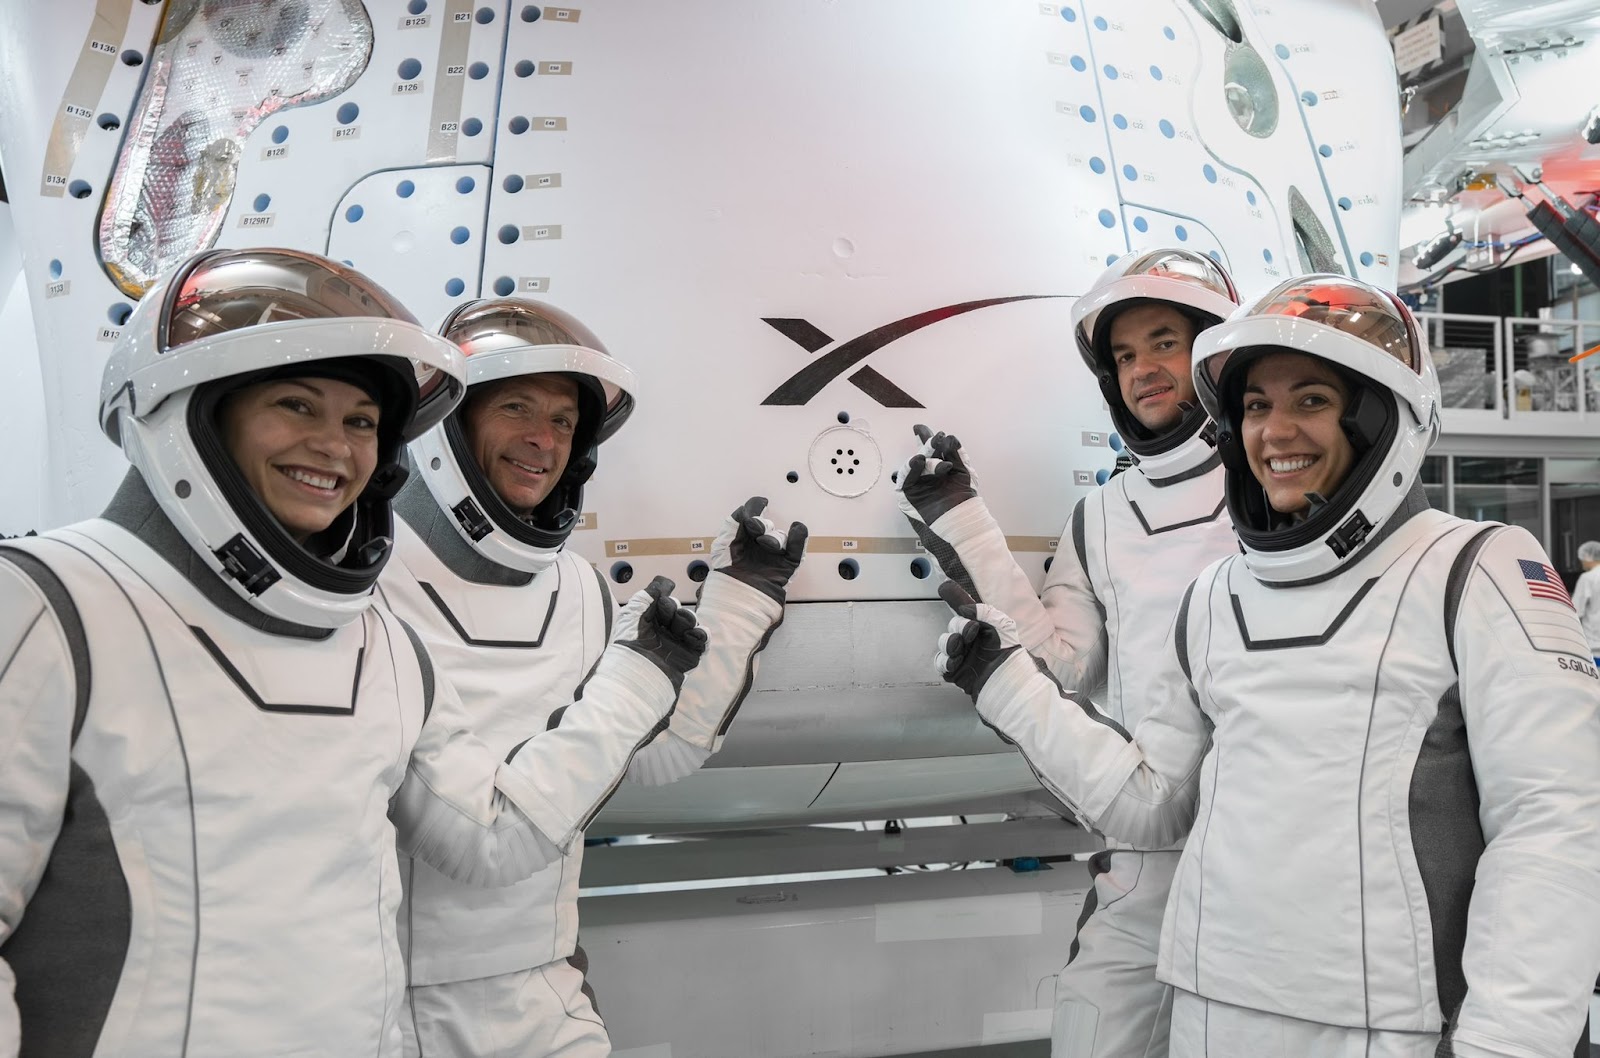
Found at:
<point>1574,269</point>
<point>1437,248</point>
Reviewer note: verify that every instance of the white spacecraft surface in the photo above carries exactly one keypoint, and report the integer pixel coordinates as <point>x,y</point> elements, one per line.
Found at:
<point>806,226</point>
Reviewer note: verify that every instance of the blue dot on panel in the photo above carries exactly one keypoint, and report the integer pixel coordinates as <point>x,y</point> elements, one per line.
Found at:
<point>1140,224</point>
<point>1110,72</point>
<point>1250,197</point>
<point>524,68</point>
<point>1366,259</point>
<point>472,126</point>
<point>530,13</point>
<point>1325,151</point>
<point>347,113</point>
<point>459,235</point>
<point>504,286</point>
<point>1108,219</point>
<point>1155,73</point>
<point>478,71</point>
<point>409,69</point>
<point>1086,112</point>
<point>454,287</point>
<point>1266,255</point>
<point>119,313</point>
<point>1308,98</point>
<point>1130,172</point>
<point>1119,121</point>
<point>1166,31</point>
<point>55,269</point>
<point>261,203</point>
<point>485,15</point>
<point>1102,476</point>
<point>512,183</point>
<point>465,185</point>
<point>1115,441</point>
<point>1181,232</point>
<point>417,7</point>
<point>348,263</point>
<point>1282,51</point>
<point>1215,255</point>
<point>1166,129</point>
<point>1068,13</point>
<point>1345,203</point>
<point>1111,259</point>
<point>517,125</point>
<point>280,134</point>
<point>1078,63</point>
<point>509,233</point>
<point>1098,165</point>
<point>405,189</point>
<point>354,213</point>
<point>1100,23</point>
<point>1211,174</point>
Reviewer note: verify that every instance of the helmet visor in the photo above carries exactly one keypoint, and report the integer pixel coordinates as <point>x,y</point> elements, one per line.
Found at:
<point>1349,306</point>
<point>232,290</point>
<point>506,324</point>
<point>1184,266</point>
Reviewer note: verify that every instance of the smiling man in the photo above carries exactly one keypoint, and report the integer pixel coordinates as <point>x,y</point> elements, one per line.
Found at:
<point>517,621</point>
<point>1113,586</point>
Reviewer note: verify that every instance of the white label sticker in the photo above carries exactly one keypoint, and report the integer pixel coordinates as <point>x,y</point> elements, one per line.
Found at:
<point>54,180</point>
<point>534,284</point>
<point>697,545</point>
<point>59,288</point>
<point>108,334</point>
<point>1418,46</point>
<point>455,70</point>
<point>256,220</point>
<point>619,547</point>
<point>102,47</point>
<point>270,153</point>
<point>415,21</point>
<point>348,132</point>
<point>79,112</point>
<point>407,88</point>
<point>849,545</point>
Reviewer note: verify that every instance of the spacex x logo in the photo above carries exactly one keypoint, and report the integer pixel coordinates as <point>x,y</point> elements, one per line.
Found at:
<point>806,383</point>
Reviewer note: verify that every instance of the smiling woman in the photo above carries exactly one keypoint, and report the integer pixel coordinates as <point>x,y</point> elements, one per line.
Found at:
<point>1293,435</point>
<point>306,444</point>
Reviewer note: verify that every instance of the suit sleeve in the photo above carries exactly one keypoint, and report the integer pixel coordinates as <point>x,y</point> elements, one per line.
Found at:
<point>36,711</point>
<point>1530,698</point>
<point>489,822</point>
<point>1065,626</point>
<point>739,620</point>
<point>1142,787</point>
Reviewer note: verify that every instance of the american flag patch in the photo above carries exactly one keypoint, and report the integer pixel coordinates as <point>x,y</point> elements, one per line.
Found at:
<point>1543,582</point>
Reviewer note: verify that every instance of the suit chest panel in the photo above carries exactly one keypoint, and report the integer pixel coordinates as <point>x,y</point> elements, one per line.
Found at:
<point>515,654</point>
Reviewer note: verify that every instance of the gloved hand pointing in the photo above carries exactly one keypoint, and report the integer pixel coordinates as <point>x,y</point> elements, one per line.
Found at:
<point>657,626</point>
<point>979,640</point>
<point>754,550</point>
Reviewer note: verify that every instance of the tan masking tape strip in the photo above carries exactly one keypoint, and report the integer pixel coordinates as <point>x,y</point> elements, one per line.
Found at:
<point>444,124</point>
<point>825,545</point>
<point>84,89</point>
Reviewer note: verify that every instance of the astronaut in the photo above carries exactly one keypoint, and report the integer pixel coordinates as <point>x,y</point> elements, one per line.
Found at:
<point>1109,596</point>
<point>208,726</point>
<point>518,621</point>
<point>1381,722</point>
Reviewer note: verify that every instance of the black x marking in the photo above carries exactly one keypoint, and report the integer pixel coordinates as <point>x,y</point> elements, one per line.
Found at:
<point>806,383</point>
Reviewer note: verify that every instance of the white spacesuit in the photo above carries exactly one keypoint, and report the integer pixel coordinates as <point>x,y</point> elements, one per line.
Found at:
<point>208,727</point>
<point>1113,585</point>
<point>518,621</point>
<point>1380,722</point>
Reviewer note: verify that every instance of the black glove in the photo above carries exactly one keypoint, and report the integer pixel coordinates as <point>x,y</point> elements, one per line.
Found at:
<point>654,624</point>
<point>754,550</point>
<point>936,479</point>
<point>979,641</point>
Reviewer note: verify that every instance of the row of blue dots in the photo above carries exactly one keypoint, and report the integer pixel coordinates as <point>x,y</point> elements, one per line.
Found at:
<point>1111,71</point>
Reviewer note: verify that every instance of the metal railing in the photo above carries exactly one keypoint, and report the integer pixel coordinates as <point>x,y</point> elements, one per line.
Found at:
<point>1514,375</point>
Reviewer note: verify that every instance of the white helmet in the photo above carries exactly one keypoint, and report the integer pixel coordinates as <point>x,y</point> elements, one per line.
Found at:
<point>1196,286</point>
<point>1392,418</point>
<point>229,318</point>
<point>504,338</point>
